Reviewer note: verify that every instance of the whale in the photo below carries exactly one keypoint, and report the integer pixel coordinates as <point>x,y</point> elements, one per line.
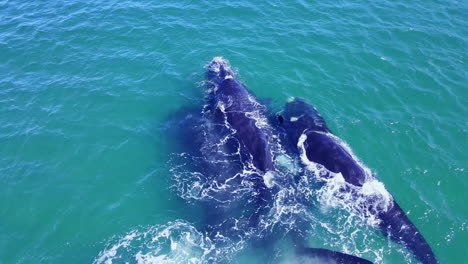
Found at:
<point>230,102</point>
<point>329,158</point>
<point>237,146</point>
<point>237,131</point>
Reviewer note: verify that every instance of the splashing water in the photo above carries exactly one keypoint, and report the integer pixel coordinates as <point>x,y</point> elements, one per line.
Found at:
<point>366,201</point>
<point>172,243</point>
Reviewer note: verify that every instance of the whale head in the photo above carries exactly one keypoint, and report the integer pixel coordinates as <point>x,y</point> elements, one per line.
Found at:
<point>223,85</point>
<point>218,70</point>
<point>299,116</point>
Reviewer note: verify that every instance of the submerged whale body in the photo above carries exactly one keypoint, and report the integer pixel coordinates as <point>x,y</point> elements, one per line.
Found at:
<point>322,152</point>
<point>325,256</point>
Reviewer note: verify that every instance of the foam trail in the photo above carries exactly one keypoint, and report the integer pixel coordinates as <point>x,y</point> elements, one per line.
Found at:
<point>175,242</point>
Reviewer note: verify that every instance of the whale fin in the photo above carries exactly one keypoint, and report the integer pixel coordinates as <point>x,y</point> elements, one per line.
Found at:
<point>325,256</point>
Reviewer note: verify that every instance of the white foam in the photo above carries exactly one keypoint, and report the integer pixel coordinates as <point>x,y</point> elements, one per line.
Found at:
<point>216,63</point>
<point>176,242</point>
<point>365,201</point>
<point>375,187</point>
<point>269,179</point>
<point>219,59</point>
<point>108,255</point>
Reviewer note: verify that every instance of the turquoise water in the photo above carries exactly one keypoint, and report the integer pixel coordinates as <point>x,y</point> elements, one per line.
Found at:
<point>87,89</point>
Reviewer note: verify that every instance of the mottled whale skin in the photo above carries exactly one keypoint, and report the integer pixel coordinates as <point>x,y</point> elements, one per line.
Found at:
<point>303,124</point>
<point>231,101</point>
<point>231,117</point>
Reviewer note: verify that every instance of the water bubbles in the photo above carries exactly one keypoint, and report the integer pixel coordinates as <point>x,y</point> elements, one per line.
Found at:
<point>174,242</point>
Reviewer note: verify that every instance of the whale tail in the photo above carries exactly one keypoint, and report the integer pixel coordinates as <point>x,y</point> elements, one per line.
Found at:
<point>320,255</point>
<point>307,255</point>
<point>398,227</point>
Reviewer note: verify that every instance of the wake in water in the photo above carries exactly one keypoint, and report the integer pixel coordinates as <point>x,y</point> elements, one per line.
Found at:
<point>259,187</point>
<point>173,243</point>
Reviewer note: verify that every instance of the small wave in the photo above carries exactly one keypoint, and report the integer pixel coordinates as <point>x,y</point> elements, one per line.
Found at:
<point>173,243</point>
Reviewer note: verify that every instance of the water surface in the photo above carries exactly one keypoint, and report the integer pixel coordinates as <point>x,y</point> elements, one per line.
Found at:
<point>87,89</point>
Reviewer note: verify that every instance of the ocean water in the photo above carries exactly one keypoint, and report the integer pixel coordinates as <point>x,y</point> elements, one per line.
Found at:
<point>89,91</point>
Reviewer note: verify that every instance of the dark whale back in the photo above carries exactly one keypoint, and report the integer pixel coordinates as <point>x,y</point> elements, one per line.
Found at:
<point>308,132</point>
<point>237,152</point>
<point>304,124</point>
<point>235,107</point>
